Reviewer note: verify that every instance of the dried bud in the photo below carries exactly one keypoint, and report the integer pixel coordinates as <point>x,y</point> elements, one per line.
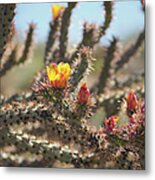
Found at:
<point>84,94</point>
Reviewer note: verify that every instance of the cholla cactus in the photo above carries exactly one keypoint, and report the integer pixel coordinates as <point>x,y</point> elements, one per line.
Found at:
<point>51,126</point>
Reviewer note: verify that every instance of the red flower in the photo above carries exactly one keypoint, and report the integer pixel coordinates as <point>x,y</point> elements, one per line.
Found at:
<point>110,123</point>
<point>84,94</point>
<point>131,101</point>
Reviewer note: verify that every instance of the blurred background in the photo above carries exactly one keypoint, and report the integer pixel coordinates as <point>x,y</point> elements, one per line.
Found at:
<point>127,23</point>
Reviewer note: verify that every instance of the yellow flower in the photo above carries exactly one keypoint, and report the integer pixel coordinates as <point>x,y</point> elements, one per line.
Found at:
<point>56,10</point>
<point>58,74</point>
<point>64,68</point>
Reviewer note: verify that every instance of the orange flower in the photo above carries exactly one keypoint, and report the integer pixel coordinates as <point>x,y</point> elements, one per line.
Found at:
<point>131,101</point>
<point>56,10</point>
<point>58,74</point>
<point>84,94</point>
<point>110,123</point>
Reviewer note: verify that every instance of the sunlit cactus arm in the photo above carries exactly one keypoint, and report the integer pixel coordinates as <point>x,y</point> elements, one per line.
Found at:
<point>28,96</point>
<point>130,52</point>
<point>9,160</point>
<point>47,149</point>
<point>36,146</point>
<point>105,73</point>
<point>28,45</point>
<point>11,62</point>
<point>57,130</point>
<point>110,157</point>
<point>7,13</point>
<point>4,100</point>
<point>20,112</point>
<point>65,27</point>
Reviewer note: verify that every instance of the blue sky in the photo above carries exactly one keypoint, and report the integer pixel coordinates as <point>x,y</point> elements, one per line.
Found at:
<point>128,19</point>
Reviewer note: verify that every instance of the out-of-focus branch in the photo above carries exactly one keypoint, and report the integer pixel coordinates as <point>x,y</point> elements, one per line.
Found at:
<point>130,52</point>
<point>28,45</point>
<point>105,73</point>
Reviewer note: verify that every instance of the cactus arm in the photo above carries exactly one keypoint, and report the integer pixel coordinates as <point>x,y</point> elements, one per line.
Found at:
<point>108,7</point>
<point>52,36</point>
<point>92,33</point>
<point>64,28</point>
<point>83,65</point>
<point>7,13</point>
<point>28,45</point>
<point>130,51</point>
<point>19,112</point>
<point>105,73</point>
<point>9,63</point>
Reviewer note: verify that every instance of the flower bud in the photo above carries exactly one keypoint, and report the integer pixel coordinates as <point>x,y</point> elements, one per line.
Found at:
<point>84,94</point>
<point>110,123</point>
<point>131,102</point>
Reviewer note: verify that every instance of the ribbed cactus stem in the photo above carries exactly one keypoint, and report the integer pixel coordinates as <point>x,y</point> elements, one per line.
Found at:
<point>18,112</point>
<point>7,13</point>
<point>45,148</point>
<point>34,146</point>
